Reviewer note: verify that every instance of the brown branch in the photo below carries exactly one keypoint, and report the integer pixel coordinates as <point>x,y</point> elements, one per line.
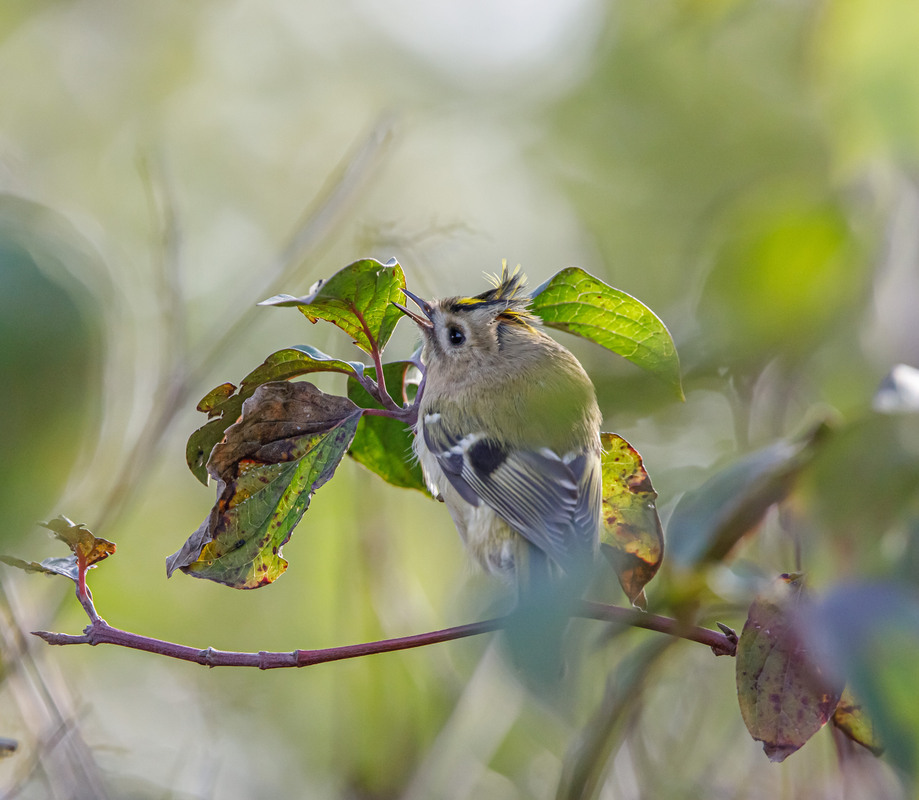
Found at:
<point>722,644</point>
<point>100,632</point>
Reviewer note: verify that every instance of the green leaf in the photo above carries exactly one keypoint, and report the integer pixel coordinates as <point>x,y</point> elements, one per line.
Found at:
<point>384,444</point>
<point>264,506</point>
<point>579,303</point>
<point>630,534</point>
<point>358,299</point>
<point>200,444</point>
<point>224,403</point>
<point>710,520</point>
<point>288,443</point>
<point>784,696</point>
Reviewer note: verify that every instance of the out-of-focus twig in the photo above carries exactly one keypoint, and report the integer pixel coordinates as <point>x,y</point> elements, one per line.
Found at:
<point>181,375</point>
<point>59,753</point>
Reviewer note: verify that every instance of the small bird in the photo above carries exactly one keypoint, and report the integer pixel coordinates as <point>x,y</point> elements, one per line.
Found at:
<point>508,437</point>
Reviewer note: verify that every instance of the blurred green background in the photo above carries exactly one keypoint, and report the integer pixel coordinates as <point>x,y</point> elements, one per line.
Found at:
<point>746,169</point>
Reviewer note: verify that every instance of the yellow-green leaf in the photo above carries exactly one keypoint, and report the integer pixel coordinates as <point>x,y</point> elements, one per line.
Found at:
<point>358,299</point>
<point>852,720</point>
<point>630,533</point>
<point>579,303</point>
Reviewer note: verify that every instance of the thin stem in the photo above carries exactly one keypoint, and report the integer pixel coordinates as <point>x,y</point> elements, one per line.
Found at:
<point>86,600</point>
<point>401,414</point>
<point>384,398</point>
<point>82,588</point>
<point>382,392</point>
<point>100,632</point>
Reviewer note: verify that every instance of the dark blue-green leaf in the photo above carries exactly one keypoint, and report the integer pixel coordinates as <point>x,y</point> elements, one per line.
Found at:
<point>710,520</point>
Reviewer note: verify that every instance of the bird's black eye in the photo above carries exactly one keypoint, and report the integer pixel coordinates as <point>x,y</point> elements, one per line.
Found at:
<point>456,336</point>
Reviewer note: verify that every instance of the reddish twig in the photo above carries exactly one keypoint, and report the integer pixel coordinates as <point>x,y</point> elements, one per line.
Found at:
<point>100,632</point>
<point>722,644</point>
<point>375,353</point>
<point>84,595</point>
<point>82,588</point>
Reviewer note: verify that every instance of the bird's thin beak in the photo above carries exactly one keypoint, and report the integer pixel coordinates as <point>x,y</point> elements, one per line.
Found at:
<point>425,321</point>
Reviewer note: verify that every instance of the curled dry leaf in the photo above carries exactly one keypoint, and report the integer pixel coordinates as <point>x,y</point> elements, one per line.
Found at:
<point>287,443</point>
<point>88,550</point>
<point>91,549</point>
<point>273,420</point>
<point>223,405</point>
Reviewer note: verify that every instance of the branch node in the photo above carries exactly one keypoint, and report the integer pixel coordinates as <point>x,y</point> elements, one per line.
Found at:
<point>729,632</point>
<point>729,648</point>
<point>207,657</point>
<point>93,632</point>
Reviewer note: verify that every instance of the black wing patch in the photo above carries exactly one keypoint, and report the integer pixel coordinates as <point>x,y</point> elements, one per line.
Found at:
<point>552,503</point>
<point>486,456</point>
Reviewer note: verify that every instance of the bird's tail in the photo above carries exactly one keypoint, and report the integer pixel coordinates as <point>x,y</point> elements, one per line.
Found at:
<point>538,635</point>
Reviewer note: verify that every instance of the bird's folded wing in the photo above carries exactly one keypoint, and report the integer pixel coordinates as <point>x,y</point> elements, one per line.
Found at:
<point>551,501</point>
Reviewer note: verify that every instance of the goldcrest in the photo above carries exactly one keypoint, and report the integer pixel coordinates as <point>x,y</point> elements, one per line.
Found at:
<point>508,434</point>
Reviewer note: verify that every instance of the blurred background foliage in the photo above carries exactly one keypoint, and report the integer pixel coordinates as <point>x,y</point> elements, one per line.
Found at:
<point>746,169</point>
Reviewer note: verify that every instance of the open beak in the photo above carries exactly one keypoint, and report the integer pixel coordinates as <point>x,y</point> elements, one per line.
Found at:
<point>427,310</point>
